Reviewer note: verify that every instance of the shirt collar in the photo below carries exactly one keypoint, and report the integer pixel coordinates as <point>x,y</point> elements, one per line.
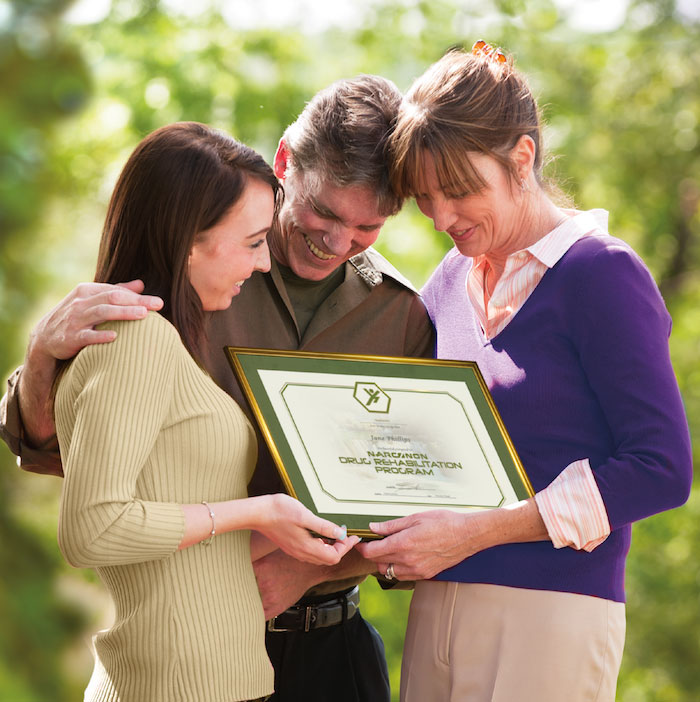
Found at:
<point>551,247</point>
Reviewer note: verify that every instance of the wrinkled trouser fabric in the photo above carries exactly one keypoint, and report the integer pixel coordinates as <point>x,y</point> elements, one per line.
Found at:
<point>490,643</point>
<point>342,663</point>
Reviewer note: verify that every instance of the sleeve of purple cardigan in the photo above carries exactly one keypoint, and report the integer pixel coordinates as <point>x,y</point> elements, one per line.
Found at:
<point>621,330</point>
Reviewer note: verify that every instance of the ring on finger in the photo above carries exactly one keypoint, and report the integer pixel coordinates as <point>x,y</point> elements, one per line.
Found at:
<point>390,575</point>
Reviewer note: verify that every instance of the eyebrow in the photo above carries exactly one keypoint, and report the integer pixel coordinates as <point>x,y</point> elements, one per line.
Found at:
<point>322,211</point>
<point>264,230</point>
<point>326,213</point>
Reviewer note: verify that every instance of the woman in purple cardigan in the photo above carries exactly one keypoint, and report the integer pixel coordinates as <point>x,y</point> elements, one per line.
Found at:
<point>571,334</point>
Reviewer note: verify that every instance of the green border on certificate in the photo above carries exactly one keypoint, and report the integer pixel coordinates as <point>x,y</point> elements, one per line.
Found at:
<point>368,438</point>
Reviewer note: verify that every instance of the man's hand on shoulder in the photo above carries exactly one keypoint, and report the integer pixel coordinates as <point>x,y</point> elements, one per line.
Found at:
<point>70,325</point>
<point>61,333</point>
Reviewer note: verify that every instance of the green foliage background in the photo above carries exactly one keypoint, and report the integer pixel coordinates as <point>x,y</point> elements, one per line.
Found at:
<point>623,108</point>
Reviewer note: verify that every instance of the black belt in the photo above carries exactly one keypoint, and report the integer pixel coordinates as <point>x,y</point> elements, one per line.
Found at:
<point>338,608</point>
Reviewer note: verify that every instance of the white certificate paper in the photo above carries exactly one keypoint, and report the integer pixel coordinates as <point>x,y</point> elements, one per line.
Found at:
<point>357,438</point>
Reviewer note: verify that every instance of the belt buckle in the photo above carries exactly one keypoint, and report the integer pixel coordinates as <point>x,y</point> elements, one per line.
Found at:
<point>271,625</point>
<point>309,619</point>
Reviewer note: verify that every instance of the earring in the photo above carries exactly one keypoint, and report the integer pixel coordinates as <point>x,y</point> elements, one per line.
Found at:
<point>523,186</point>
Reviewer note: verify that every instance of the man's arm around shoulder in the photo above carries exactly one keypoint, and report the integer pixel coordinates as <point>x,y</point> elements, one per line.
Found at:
<point>26,412</point>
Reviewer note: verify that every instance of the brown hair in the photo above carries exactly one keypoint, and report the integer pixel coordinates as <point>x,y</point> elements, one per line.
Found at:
<point>179,181</point>
<point>461,104</point>
<point>341,136</point>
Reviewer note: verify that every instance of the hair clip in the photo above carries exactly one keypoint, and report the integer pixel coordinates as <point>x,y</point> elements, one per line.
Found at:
<point>484,50</point>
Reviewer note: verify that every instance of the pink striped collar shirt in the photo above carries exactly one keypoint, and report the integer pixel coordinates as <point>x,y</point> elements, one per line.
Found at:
<point>571,506</point>
<point>524,270</point>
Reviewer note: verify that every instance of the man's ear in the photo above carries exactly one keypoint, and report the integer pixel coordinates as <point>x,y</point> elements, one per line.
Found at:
<point>281,161</point>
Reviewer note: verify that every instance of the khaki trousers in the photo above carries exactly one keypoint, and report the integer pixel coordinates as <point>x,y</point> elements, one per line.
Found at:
<point>488,643</point>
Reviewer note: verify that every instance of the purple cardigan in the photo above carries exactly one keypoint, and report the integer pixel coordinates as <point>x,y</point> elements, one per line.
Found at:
<point>581,371</point>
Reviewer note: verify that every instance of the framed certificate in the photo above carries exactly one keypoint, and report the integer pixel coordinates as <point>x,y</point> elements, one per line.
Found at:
<point>368,438</point>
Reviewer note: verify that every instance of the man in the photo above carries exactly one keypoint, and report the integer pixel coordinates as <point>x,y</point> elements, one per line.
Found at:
<point>327,291</point>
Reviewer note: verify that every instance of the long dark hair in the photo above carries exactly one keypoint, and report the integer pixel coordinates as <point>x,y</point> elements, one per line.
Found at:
<point>179,181</point>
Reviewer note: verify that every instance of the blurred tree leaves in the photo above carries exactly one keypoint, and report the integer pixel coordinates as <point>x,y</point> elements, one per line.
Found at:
<point>44,80</point>
<point>623,113</point>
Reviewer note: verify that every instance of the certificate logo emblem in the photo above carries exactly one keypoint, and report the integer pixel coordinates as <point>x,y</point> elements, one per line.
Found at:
<point>372,397</point>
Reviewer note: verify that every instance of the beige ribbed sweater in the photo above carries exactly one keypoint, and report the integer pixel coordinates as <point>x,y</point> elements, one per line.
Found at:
<point>142,430</point>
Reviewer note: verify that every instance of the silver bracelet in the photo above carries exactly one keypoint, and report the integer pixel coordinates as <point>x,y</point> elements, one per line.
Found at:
<point>208,540</point>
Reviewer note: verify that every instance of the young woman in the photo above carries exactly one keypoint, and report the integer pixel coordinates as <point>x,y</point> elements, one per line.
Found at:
<point>156,456</point>
<point>571,334</point>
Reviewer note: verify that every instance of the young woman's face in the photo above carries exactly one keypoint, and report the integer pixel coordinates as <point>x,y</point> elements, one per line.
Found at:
<point>226,255</point>
<point>486,222</point>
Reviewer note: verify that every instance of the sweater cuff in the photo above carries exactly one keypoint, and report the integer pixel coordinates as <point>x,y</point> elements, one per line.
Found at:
<point>573,510</point>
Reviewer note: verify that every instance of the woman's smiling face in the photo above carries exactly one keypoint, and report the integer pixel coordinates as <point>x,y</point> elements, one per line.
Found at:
<point>485,222</point>
<point>226,255</point>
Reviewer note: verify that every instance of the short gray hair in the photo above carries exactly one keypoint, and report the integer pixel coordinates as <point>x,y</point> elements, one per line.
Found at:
<point>342,133</point>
